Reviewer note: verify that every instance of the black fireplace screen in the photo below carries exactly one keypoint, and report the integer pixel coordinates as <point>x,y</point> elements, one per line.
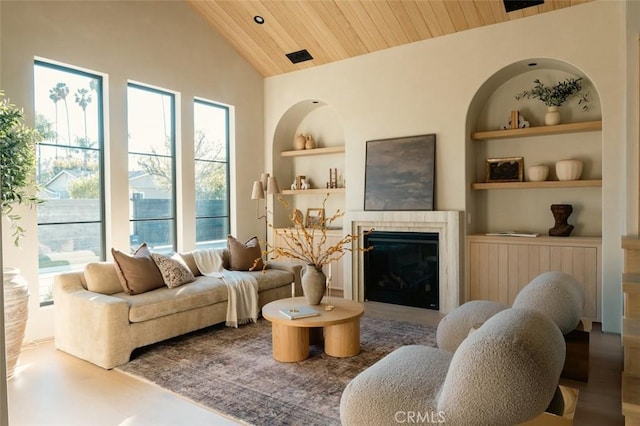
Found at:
<point>402,269</point>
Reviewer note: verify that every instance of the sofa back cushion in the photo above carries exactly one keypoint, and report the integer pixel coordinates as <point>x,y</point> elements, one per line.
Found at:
<point>190,261</point>
<point>101,277</point>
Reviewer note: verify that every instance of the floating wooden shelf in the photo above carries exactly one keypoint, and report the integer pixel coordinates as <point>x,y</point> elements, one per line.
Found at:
<point>585,126</point>
<point>594,183</point>
<point>316,151</point>
<point>314,191</point>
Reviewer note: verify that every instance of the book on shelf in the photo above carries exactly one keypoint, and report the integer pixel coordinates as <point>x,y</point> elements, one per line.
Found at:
<point>512,234</point>
<point>302,311</point>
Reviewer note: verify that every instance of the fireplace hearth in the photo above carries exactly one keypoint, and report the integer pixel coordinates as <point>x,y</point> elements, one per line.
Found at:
<point>402,269</point>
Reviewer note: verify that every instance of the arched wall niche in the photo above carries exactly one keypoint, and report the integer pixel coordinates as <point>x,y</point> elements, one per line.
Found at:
<point>528,209</point>
<point>319,119</point>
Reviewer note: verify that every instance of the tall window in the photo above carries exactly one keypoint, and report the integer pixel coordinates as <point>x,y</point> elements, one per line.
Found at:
<point>211,146</point>
<point>68,105</point>
<point>151,115</point>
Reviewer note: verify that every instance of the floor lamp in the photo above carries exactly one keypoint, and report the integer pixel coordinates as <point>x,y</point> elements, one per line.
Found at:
<point>261,188</point>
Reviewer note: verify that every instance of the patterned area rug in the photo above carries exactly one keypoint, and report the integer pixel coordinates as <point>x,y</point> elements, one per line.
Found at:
<point>232,371</point>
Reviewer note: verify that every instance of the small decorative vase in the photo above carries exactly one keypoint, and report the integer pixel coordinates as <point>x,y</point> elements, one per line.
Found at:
<point>299,142</point>
<point>313,284</point>
<point>569,169</point>
<point>561,213</point>
<point>310,143</point>
<point>16,310</point>
<point>538,173</point>
<point>552,117</point>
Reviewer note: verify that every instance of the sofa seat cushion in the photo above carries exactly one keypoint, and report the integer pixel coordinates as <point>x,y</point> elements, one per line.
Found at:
<point>165,301</point>
<point>204,291</point>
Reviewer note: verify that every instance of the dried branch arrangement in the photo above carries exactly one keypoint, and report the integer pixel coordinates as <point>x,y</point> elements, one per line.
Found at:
<point>308,243</point>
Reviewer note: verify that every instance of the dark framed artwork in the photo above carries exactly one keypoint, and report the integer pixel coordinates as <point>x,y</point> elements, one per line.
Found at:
<point>509,169</point>
<point>400,173</point>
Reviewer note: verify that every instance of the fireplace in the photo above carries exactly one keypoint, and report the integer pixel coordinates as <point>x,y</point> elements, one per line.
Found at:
<point>446,224</point>
<point>402,269</point>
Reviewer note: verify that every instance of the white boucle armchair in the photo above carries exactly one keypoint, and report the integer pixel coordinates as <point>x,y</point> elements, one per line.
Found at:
<point>556,294</point>
<point>504,373</point>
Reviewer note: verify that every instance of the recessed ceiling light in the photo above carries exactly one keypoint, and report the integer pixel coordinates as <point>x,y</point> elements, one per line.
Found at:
<point>258,19</point>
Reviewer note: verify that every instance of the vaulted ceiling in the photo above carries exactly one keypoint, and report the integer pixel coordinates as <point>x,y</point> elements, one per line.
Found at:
<point>331,30</point>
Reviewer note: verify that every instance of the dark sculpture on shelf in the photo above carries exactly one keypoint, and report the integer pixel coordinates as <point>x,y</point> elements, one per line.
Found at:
<point>561,213</point>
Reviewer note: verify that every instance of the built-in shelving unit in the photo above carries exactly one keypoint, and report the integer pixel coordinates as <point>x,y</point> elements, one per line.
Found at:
<point>592,183</point>
<point>315,151</point>
<point>585,126</point>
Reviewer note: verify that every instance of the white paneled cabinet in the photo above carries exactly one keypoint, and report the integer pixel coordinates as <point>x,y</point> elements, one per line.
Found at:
<point>500,266</point>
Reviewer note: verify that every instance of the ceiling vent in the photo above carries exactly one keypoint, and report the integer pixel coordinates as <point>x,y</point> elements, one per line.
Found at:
<point>299,56</point>
<point>513,5</point>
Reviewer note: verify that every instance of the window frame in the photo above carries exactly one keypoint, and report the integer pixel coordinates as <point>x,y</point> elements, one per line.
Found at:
<point>100,150</point>
<point>174,177</point>
<point>227,163</point>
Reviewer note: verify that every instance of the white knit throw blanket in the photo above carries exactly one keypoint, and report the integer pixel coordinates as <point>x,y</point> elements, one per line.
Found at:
<point>242,288</point>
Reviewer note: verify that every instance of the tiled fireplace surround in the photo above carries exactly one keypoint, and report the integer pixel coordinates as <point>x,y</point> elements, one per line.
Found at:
<point>447,224</point>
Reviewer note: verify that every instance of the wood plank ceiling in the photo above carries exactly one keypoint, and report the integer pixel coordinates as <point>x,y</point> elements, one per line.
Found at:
<point>332,30</point>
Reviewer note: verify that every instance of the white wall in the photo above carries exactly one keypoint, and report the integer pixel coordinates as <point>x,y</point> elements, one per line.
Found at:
<point>632,115</point>
<point>164,44</point>
<point>427,87</point>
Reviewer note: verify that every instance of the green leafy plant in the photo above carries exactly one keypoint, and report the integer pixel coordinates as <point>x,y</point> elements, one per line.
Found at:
<point>17,162</point>
<point>558,94</point>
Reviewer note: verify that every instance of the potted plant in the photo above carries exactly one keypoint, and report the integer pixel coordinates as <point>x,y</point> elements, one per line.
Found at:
<point>17,163</point>
<point>554,96</point>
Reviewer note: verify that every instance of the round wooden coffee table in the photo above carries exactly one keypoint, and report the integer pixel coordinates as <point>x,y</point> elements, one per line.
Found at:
<point>340,327</point>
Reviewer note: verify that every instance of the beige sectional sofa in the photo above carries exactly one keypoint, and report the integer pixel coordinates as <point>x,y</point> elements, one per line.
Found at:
<point>96,321</point>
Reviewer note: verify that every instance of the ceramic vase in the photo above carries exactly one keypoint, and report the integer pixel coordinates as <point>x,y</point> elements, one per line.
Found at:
<point>299,142</point>
<point>16,310</point>
<point>538,173</point>
<point>310,142</point>
<point>552,117</point>
<point>569,169</point>
<point>313,284</point>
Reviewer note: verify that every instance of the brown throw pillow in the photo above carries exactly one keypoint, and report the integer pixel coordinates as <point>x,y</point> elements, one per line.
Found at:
<point>242,256</point>
<point>138,273</point>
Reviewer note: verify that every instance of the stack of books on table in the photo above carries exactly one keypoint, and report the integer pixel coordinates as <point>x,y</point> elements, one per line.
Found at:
<point>296,312</point>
